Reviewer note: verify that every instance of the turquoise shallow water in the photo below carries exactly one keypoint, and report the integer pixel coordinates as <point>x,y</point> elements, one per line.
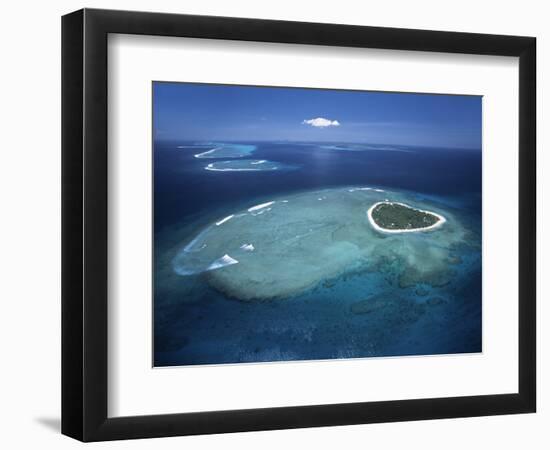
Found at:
<point>221,150</point>
<point>413,295</point>
<point>246,165</point>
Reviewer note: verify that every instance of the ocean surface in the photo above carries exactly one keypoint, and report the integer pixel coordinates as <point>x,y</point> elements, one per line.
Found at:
<point>417,295</point>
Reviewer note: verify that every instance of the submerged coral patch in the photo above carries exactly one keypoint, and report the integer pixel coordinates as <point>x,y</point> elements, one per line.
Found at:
<point>366,148</point>
<point>223,150</point>
<point>245,165</point>
<point>277,248</point>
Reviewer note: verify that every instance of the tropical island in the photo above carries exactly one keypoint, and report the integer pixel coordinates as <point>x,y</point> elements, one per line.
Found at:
<point>281,246</point>
<point>395,217</point>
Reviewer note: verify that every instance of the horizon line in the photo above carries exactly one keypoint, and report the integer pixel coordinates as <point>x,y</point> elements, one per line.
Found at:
<point>233,141</point>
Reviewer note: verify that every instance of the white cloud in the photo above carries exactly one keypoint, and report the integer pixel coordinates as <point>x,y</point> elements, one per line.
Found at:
<point>321,122</point>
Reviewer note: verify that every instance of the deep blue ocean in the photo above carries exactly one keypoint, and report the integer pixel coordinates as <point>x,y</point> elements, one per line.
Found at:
<point>209,328</point>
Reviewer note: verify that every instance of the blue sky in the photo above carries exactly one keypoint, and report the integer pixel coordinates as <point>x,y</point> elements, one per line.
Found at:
<point>185,111</point>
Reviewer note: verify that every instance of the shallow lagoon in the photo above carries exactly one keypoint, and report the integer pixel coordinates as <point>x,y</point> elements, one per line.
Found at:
<point>224,150</point>
<point>313,279</point>
<point>247,165</point>
<point>288,245</point>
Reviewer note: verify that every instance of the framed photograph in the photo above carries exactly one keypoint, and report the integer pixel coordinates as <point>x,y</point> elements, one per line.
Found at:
<point>273,224</point>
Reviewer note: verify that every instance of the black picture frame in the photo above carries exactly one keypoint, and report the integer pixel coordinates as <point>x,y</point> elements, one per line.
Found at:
<point>84,224</point>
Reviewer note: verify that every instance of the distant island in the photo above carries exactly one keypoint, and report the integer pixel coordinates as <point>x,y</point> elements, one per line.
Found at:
<point>394,217</point>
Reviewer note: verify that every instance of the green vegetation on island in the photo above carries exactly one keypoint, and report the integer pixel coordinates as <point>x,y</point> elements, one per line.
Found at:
<point>396,216</point>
